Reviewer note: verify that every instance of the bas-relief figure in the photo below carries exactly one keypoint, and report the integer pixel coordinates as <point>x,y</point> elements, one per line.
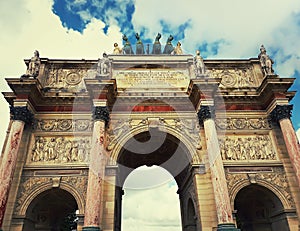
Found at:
<point>157,45</point>
<point>34,66</point>
<point>139,45</point>
<point>127,49</point>
<point>265,61</point>
<point>169,47</point>
<point>247,148</point>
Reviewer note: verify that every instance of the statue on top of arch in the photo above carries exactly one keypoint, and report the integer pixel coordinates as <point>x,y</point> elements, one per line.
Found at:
<point>34,66</point>
<point>199,64</point>
<point>265,61</point>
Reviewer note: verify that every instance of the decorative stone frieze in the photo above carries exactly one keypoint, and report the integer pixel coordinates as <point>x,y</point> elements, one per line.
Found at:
<point>235,78</point>
<point>247,148</point>
<point>242,123</point>
<point>22,113</point>
<point>63,125</point>
<point>281,112</point>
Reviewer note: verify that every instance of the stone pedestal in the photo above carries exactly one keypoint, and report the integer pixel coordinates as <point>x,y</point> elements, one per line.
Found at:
<point>94,200</point>
<point>224,213</point>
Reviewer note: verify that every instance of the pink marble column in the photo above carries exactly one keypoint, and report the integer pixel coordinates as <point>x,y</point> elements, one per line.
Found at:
<point>94,203</point>
<point>282,114</point>
<point>224,213</point>
<point>20,116</point>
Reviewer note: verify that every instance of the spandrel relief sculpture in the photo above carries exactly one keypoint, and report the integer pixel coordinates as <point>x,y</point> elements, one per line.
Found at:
<point>248,148</point>
<point>265,61</point>
<point>60,150</point>
<point>34,66</point>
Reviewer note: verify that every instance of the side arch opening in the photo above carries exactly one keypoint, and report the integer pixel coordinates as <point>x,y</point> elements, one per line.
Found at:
<point>258,209</point>
<point>54,209</point>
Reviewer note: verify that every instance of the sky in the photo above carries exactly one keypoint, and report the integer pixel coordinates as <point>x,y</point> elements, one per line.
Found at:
<point>87,28</point>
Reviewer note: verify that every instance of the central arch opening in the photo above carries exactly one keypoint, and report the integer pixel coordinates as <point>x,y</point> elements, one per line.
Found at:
<point>150,204</point>
<point>152,166</point>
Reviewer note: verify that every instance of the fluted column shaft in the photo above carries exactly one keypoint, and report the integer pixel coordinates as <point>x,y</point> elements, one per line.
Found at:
<point>94,204</point>
<point>282,114</point>
<point>224,213</point>
<point>20,116</point>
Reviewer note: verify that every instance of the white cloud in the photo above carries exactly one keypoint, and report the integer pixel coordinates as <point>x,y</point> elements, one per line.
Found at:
<point>152,208</point>
<point>29,25</point>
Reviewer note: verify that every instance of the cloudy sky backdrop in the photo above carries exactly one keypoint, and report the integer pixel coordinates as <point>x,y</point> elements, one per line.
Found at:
<point>86,28</point>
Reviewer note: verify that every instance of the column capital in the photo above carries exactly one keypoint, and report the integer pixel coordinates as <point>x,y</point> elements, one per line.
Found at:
<point>281,112</point>
<point>205,112</point>
<point>101,113</point>
<point>22,113</point>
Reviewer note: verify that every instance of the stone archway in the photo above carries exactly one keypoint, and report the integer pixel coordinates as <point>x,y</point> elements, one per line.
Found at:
<point>53,209</point>
<point>171,154</point>
<point>191,217</point>
<point>259,209</point>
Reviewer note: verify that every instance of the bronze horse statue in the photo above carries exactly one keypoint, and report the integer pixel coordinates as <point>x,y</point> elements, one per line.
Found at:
<point>157,46</point>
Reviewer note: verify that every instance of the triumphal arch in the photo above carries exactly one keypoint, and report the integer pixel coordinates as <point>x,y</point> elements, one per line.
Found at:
<point>78,128</point>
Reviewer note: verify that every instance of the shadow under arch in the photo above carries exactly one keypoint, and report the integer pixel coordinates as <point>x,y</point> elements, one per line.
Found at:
<point>171,154</point>
<point>244,183</point>
<point>259,208</point>
<point>186,144</point>
<point>53,209</point>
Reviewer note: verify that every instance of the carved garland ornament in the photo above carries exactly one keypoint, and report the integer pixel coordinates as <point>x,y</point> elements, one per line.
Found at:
<point>242,123</point>
<point>30,184</point>
<point>277,178</point>
<point>63,125</point>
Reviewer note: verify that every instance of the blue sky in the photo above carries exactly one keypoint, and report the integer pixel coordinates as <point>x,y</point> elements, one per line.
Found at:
<point>86,28</point>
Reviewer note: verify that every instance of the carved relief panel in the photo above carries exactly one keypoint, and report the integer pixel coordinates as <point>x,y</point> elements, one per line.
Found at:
<point>247,148</point>
<point>59,149</point>
<point>67,79</point>
<point>235,78</point>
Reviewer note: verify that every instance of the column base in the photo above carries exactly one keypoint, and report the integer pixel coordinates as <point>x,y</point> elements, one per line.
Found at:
<point>227,227</point>
<point>90,228</point>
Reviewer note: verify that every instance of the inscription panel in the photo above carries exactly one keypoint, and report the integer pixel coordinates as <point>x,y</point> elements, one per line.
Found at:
<point>152,79</point>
